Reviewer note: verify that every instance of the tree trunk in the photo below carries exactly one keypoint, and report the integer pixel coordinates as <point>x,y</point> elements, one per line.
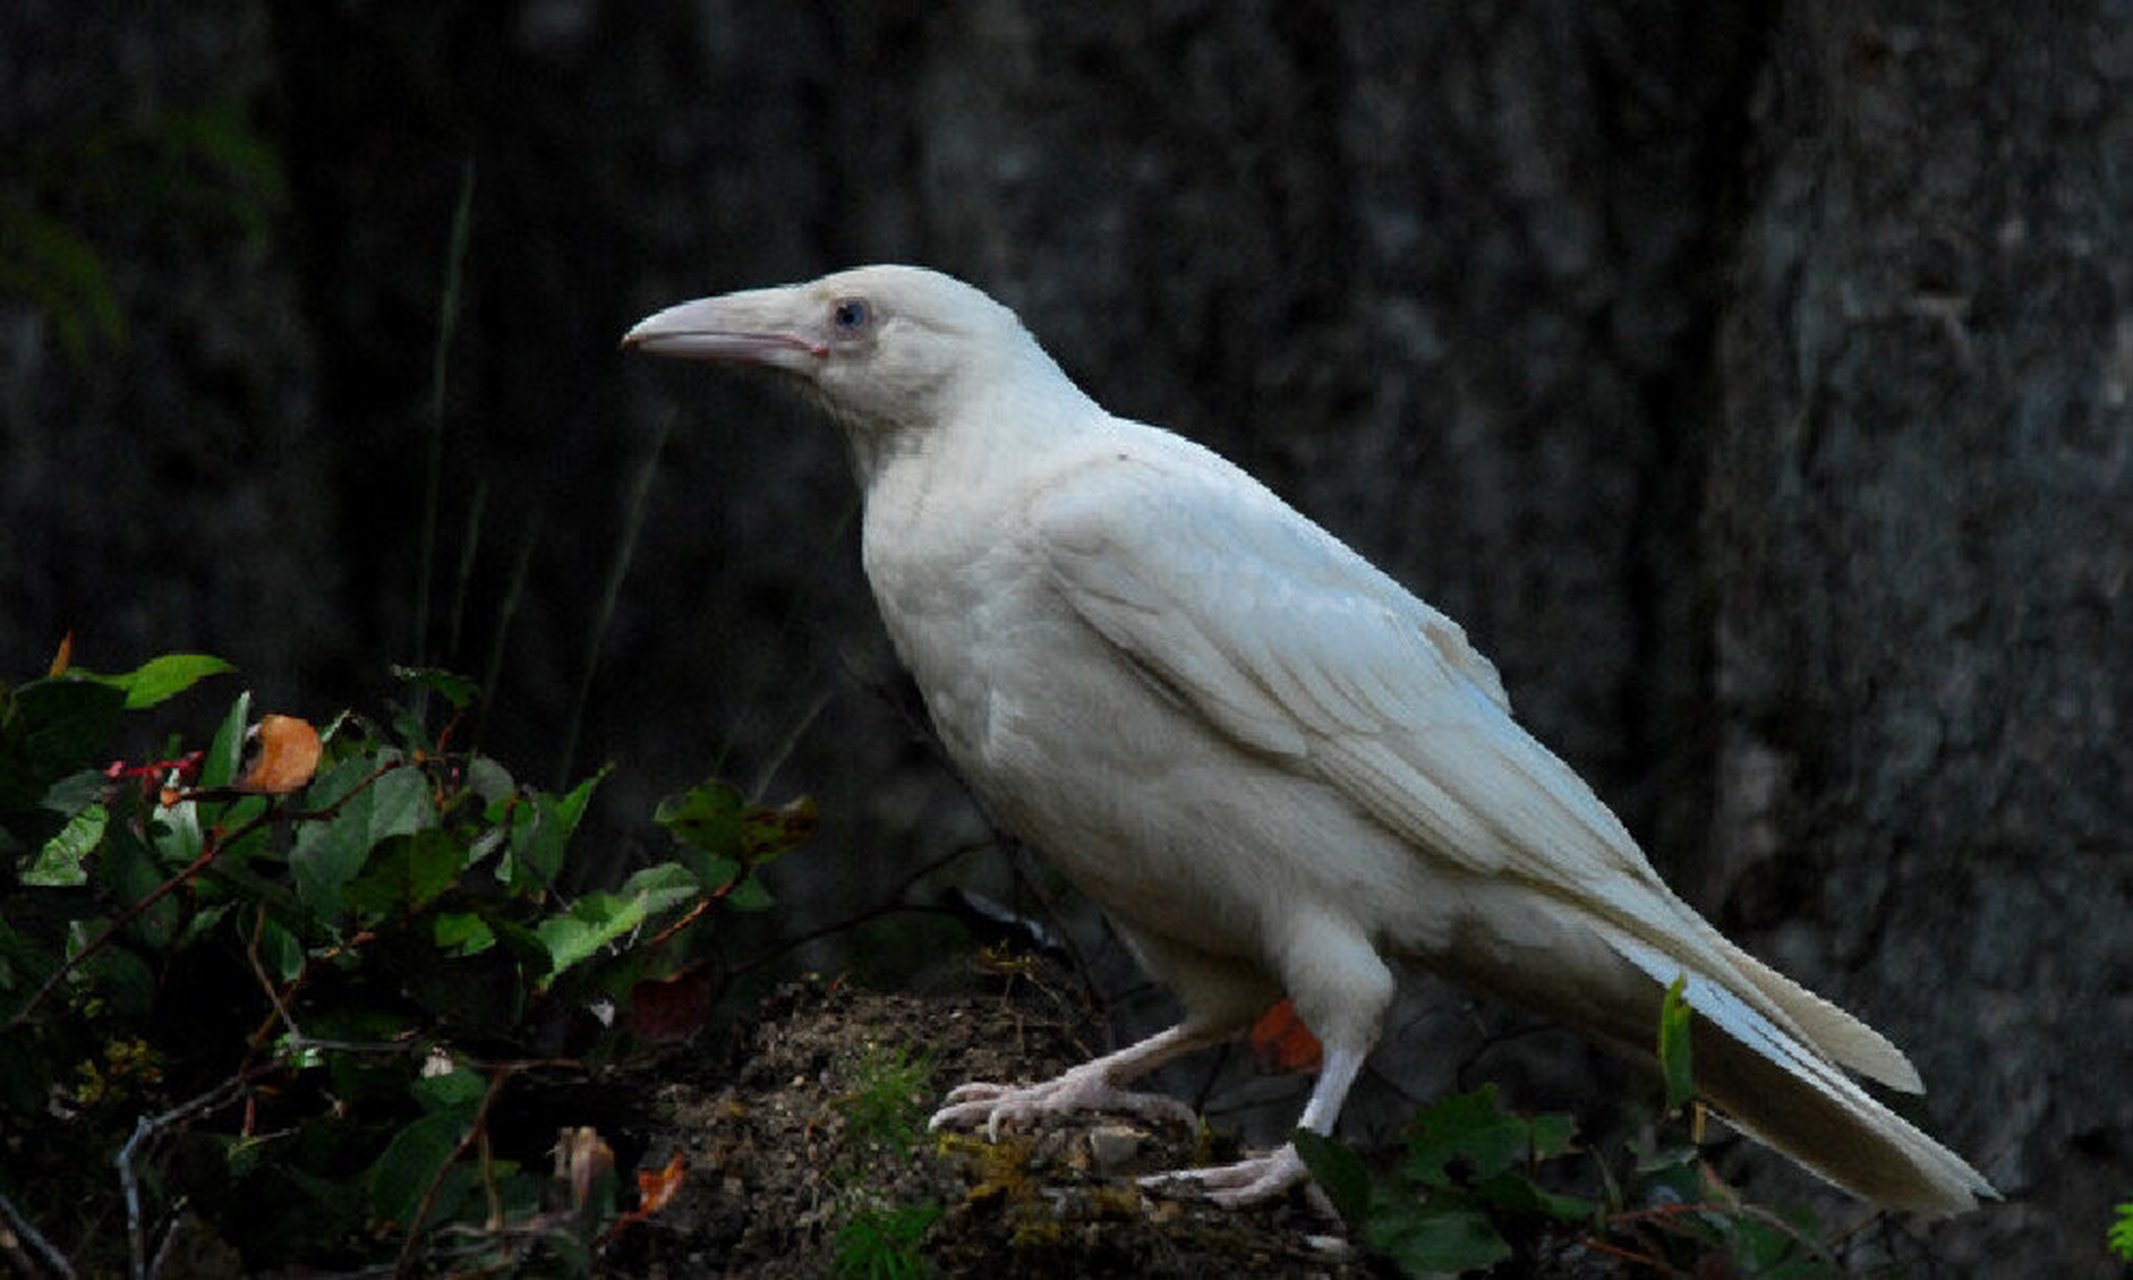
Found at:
<point>1919,547</point>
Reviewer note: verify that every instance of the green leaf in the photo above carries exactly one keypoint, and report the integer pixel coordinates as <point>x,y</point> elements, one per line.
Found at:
<point>410,1163</point>
<point>768,834</point>
<point>330,853</point>
<point>1766,1250</point>
<point>406,875</point>
<point>75,792</point>
<point>2119,1238</point>
<point>177,834</point>
<point>1553,1134</point>
<point>1339,1172</point>
<point>1515,1193</point>
<point>279,951</point>
<point>541,828</point>
<point>459,1089</point>
<point>23,966</point>
<point>161,679</point>
<point>1469,1130</point>
<point>122,980</point>
<point>59,863</point>
<point>711,873</point>
<point>456,689</point>
<point>59,726</point>
<point>750,895</point>
<point>1438,1240</point>
<point>462,933</point>
<point>525,947</point>
<point>1674,1059</point>
<point>720,837</point>
<point>489,780</point>
<point>706,817</point>
<point>592,922</point>
<point>226,751</point>
<point>666,885</point>
<point>126,873</point>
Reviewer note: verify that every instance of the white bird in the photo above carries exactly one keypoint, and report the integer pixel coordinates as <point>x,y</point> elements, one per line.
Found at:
<point>1270,765</point>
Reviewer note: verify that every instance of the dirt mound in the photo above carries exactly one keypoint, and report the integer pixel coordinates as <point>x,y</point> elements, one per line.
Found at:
<point>810,1157</point>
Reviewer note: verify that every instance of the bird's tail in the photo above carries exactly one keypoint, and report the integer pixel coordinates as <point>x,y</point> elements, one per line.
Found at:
<point>1772,1061</point>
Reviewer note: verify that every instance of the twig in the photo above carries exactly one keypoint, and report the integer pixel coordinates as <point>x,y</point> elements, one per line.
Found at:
<point>475,1134</point>
<point>274,997</point>
<point>894,903</point>
<point>27,1232</point>
<point>1777,1223</point>
<point>1658,1265</point>
<point>1662,1215</point>
<point>111,929</point>
<point>143,1130</point>
<point>217,841</point>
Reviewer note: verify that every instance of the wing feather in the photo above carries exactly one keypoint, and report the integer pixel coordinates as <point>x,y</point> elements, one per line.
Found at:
<point>1294,645</point>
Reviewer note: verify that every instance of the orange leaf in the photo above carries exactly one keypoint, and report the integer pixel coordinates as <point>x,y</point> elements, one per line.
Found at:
<point>655,1189</point>
<point>1282,1042</point>
<point>280,755</point>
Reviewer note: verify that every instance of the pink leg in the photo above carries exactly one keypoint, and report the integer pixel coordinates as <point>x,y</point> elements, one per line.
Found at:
<point>1092,1086</point>
<point>1265,1177</point>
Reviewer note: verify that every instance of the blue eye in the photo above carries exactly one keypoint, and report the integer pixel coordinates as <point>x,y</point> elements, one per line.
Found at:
<point>851,315</point>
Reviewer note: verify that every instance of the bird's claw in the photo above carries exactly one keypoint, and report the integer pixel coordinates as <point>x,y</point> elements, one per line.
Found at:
<point>992,1105</point>
<point>1247,1182</point>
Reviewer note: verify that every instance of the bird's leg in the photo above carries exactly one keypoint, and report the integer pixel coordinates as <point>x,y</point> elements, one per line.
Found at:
<point>1340,988</point>
<point>1259,1178</point>
<point>1092,1086</point>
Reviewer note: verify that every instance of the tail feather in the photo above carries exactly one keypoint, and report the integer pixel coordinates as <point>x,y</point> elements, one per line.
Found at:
<point>1829,1028</point>
<point>1795,1096</point>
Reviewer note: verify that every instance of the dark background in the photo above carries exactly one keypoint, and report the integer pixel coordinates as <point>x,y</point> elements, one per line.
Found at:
<point>1755,382</point>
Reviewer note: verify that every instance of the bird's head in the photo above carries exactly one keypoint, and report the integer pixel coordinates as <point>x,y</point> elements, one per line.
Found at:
<point>886,348</point>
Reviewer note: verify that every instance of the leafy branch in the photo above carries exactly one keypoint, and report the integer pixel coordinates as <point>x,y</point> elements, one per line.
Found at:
<point>381,911</point>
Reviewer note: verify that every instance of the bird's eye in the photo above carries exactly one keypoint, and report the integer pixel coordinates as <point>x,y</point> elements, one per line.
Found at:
<point>851,315</point>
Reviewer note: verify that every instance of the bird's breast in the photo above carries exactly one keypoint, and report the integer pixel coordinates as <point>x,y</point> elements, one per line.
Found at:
<point>1078,752</point>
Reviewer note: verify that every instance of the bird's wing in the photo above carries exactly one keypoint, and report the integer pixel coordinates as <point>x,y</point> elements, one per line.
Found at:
<point>1298,648</point>
<point>1295,646</point>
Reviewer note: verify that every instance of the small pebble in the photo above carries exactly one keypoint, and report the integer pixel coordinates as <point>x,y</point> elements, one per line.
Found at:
<point>1332,1248</point>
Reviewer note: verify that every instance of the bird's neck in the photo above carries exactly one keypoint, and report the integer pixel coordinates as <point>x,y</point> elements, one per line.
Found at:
<point>979,441</point>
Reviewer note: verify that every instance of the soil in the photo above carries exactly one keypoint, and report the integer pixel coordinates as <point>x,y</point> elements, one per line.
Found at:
<point>814,1136</point>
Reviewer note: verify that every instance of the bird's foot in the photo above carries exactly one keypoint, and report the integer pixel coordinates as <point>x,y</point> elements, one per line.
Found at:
<point>1081,1089</point>
<point>1246,1182</point>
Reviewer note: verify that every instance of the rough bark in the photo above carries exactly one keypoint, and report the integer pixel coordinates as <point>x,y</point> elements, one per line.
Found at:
<point>1919,549</point>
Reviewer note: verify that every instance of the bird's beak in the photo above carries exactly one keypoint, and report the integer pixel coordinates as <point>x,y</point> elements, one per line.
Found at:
<point>755,327</point>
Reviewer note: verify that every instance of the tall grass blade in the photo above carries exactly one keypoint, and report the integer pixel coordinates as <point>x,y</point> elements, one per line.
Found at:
<point>433,470</point>
<point>617,570</point>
